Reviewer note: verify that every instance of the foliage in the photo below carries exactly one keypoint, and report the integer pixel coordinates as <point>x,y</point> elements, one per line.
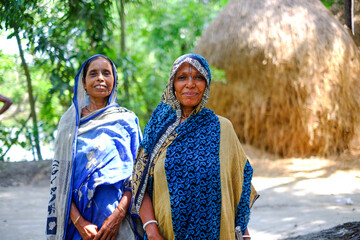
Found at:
<point>329,3</point>
<point>61,35</point>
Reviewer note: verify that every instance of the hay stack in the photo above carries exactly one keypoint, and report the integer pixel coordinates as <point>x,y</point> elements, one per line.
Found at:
<point>292,76</point>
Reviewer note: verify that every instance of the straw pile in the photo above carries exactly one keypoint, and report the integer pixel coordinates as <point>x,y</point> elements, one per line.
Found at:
<point>292,76</point>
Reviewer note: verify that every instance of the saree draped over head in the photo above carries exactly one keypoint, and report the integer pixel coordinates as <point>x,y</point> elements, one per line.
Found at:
<point>196,172</point>
<point>93,161</point>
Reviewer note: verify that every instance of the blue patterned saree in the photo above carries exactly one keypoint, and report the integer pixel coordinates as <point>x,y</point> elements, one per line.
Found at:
<point>192,165</point>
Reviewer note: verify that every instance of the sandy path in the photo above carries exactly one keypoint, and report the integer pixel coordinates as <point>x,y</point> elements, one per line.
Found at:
<point>23,212</point>
<point>291,207</point>
<point>297,197</point>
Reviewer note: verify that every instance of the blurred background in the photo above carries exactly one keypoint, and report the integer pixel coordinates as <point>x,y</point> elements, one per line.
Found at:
<point>285,72</point>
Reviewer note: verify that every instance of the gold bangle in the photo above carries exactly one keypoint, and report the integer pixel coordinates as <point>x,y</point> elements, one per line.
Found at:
<point>77,219</point>
<point>121,209</point>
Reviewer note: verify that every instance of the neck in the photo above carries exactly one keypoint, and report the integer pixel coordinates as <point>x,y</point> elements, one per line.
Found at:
<point>97,104</point>
<point>185,112</point>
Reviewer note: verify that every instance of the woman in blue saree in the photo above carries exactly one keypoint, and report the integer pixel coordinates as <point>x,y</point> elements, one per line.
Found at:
<point>192,179</point>
<point>95,149</point>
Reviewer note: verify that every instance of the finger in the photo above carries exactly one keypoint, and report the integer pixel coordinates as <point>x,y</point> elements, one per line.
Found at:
<point>107,235</point>
<point>98,235</point>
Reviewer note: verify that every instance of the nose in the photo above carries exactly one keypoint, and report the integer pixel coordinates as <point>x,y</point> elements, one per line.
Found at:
<point>101,77</point>
<point>190,82</point>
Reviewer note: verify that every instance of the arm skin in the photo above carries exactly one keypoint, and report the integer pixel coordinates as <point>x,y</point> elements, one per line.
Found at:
<point>110,226</point>
<point>86,229</point>
<point>7,103</point>
<point>146,214</point>
<point>247,233</point>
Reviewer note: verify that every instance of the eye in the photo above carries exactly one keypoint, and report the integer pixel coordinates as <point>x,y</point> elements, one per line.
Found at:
<point>181,77</point>
<point>199,77</point>
<point>107,73</point>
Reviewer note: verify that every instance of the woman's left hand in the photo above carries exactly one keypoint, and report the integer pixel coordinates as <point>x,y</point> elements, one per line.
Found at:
<point>110,226</point>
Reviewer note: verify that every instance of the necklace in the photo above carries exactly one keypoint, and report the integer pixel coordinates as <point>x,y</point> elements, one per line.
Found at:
<point>184,117</point>
<point>88,109</point>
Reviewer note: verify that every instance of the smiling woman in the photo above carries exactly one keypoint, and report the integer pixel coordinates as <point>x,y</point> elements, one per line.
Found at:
<point>192,179</point>
<point>98,82</point>
<point>95,149</point>
<point>189,86</point>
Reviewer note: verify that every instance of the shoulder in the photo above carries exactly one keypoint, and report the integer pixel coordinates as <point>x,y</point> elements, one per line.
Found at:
<point>226,125</point>
<point>224,121</point>
<point>124,113</point>
<point>127,117</point>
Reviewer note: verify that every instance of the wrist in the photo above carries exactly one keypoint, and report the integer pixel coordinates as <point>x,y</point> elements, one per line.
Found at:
<point>121,210</point>
<point>77,220</point>
<point>151,228</point>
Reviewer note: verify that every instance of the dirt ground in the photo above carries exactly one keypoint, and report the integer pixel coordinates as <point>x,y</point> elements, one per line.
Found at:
<point>297,196</point>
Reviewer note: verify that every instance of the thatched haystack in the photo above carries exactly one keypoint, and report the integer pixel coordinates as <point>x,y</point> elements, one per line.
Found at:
<point>292,71</point>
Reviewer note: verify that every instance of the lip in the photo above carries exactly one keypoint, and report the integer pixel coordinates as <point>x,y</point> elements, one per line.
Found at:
<point>190,94</point>
<point>100,86</point>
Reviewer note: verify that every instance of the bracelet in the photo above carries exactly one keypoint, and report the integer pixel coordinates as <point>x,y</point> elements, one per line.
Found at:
<point>77,219</point>
<point>148,222</point>
<point>121,209</point>
<point>248,236</point>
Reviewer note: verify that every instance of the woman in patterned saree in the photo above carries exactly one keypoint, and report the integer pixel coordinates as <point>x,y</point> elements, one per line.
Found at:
<point>192,179</point>
<point>95,149</point>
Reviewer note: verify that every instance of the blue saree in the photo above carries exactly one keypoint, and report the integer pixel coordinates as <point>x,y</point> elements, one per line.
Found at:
<point>92,166</point>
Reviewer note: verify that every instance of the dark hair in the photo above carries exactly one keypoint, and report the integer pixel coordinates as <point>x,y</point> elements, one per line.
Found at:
<point>90,60</point>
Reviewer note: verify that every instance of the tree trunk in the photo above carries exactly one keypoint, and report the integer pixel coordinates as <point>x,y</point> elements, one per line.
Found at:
<point>30,92</point>
<point>121,11</point>
<point>349,14</point>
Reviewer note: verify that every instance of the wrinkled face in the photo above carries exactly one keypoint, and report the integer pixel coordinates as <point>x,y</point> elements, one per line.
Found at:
<point>189,86</point>
<point>99,80</point>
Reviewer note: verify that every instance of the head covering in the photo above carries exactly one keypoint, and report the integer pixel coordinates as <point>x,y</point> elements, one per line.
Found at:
<point>201,65</point>
<point>65,150</point>
<point>164,120</point>
<point>81,99</point>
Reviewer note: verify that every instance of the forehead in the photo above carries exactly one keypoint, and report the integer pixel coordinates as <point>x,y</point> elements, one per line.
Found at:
<point>185,67</point>
<point>100,63</point>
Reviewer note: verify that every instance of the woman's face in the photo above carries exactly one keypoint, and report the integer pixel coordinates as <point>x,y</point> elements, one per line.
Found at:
<point>99,80</point>
<point>189,85</point>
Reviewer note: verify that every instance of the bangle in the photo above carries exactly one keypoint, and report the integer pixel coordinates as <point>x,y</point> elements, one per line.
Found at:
<point>77,219</point>
<point>121,209</point>
<point>248,236</point>
<point>148,222</point>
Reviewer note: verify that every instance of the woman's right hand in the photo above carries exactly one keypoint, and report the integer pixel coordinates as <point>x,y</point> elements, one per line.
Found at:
<point>86,229</point>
